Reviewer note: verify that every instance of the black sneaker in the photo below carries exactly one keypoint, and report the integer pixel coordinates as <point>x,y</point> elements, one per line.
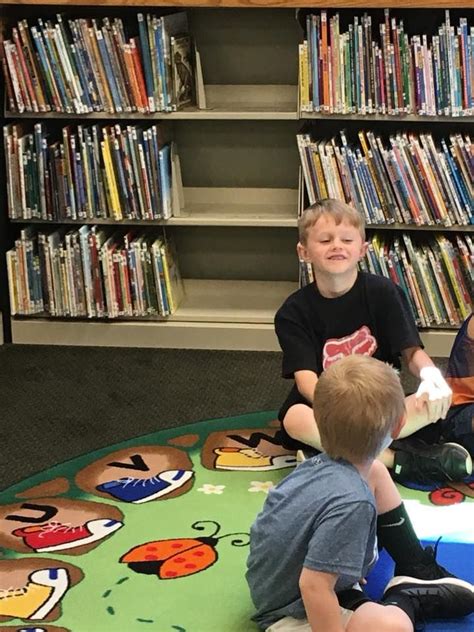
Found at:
<point>427,568</point>
<point>420,462</point>
<point>439,599</point>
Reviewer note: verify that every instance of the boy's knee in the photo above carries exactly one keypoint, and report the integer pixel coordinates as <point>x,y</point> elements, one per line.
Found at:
<point>375,616</point>
<point>297,417</point>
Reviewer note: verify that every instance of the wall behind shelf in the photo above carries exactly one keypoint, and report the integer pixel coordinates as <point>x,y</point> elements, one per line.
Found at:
<point>247,47</point>
<point>254,254</point>
<point>238,153</point>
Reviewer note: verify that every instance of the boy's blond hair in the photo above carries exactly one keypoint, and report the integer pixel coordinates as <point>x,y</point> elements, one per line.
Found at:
<point>357,402</point>
<point>336,209</point>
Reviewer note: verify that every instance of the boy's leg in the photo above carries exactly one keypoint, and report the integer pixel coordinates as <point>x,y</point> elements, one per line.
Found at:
<point>395,532</point>
<point>419,454</point>
<point>300,424</point>
<point>374,617</point>
<point>408,462</point>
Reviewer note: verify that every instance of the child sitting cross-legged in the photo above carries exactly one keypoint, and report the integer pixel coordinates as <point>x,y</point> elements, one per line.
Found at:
<point>347,312</point>
<point>315,538</point>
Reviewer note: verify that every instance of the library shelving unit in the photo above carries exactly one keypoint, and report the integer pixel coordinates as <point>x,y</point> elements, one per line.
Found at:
<point>236,232</point>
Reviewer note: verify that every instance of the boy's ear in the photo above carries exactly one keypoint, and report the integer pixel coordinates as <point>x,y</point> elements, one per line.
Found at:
<point>301,250</point>
<point>363,250</point>
<point>396,430</point>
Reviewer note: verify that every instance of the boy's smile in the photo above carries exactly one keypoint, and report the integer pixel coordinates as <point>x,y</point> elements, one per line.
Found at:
<point>333,249</point>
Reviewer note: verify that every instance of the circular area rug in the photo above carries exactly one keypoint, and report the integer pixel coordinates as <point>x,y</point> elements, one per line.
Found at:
<point>153,533</point>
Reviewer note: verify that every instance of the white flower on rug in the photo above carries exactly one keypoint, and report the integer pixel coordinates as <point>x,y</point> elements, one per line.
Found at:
<point>260,486</point>
<point>207,488</point>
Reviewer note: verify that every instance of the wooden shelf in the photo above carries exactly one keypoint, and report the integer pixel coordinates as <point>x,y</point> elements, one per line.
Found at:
<point>256,4</point>
<point>254,302</point>
<point>213,315</point>
<point>238,207</point>
<point>386,118</point>
<point>224,102</point>
<point>282,215</point>
<point>439,228</point>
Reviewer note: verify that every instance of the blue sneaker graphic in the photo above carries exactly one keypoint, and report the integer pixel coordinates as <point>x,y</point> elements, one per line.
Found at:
<point>142,490</point>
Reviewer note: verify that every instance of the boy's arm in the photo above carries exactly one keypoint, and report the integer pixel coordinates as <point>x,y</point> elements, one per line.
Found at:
<point>320,601</point>
<point>306,383</point>
<point>433,390</point>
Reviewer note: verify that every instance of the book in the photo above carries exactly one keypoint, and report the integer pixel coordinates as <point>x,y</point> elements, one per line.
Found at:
<point>182,70</point>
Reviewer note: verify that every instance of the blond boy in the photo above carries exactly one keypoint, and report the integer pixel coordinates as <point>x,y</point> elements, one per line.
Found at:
<point>348,312</point>
<point>316,535</point>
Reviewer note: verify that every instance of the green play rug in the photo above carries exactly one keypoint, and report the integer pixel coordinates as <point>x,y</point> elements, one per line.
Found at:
<point>152,533</point>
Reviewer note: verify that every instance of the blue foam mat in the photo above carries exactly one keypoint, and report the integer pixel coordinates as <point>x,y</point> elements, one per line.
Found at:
<point>456,556</point>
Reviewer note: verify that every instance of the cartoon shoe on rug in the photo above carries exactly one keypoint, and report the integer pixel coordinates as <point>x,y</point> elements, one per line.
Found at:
<point>142,490</point>
<point>230,458</point>
<point>55,536</point>
<point>38,597</point>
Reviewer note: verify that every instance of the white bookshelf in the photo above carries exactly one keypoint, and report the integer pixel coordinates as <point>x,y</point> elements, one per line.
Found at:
<point>236,228</point>
<point>221,206</point>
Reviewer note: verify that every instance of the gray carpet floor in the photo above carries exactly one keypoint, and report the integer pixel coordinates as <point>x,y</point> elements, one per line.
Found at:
<point>57,403</point>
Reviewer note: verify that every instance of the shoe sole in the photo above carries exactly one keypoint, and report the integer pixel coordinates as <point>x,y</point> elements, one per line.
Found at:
<point>59,587</point>
<point>187,476</point>
<point>93,537</point>
<point>467,455</point>
<point>414,581</point>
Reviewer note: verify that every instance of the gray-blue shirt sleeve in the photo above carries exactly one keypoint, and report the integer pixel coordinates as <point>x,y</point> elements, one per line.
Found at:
<point>340,541</point>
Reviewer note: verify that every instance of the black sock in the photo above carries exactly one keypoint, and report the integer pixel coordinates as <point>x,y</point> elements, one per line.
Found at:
<point>396,534</point>
<point>404,603</point>
<point>352,598</point>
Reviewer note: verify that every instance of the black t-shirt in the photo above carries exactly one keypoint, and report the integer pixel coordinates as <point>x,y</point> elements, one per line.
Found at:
<point>372,318</point>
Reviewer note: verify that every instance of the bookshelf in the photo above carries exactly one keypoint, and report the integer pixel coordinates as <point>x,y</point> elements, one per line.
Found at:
<point>236,230</point>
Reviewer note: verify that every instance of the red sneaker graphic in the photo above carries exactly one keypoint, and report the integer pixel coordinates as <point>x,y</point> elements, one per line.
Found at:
<point>55,536</point>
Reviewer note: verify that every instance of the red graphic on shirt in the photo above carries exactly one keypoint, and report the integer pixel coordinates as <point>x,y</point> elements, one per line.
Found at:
<point>361,342</point>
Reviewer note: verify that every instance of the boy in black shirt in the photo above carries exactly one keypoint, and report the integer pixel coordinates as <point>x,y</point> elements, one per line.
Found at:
<point>347,312</point>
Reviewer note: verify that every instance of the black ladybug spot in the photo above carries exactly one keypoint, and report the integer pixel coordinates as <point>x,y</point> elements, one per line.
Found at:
<point>146,568</point>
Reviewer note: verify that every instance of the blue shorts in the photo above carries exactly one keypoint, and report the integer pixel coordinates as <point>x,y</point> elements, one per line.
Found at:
<point>457,426</point>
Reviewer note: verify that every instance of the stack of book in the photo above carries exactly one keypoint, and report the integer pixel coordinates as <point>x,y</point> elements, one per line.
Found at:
<point>91,273</point>
<point>410,180</point>
<point>352,72</point>
<point>111,172</point>
<point>86,65</point>
<point>436,275</point>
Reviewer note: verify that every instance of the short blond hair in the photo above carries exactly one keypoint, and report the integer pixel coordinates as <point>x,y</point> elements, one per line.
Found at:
<point>357,402</point>
<point>336,209</point>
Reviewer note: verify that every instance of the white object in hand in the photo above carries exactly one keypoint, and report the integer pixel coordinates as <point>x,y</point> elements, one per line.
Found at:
<point>438,393</point>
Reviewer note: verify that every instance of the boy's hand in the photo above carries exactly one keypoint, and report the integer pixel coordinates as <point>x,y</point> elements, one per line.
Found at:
<point>435,392</point>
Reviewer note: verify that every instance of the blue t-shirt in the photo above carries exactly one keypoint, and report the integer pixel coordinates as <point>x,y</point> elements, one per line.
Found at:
<point>322,517</point>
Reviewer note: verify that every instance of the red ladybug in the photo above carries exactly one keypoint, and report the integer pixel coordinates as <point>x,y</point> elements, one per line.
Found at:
<point>178,557</point>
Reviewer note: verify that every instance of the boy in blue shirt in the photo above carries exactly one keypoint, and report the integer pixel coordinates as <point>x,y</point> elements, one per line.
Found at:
<point>316,535</point>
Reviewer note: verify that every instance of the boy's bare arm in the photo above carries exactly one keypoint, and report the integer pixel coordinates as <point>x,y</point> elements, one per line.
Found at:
<point>416,359</point>
<point>306,383</point>
<point>433,390</point>
<point>320,601</point>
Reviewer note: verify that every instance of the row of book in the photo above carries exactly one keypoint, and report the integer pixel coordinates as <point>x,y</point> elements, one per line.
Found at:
<point>88,65</point>
<point>354,72</point>
<point>92,273</point>
<point>437,274</point>
<point>113,172</point>
<point>409,180</point>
